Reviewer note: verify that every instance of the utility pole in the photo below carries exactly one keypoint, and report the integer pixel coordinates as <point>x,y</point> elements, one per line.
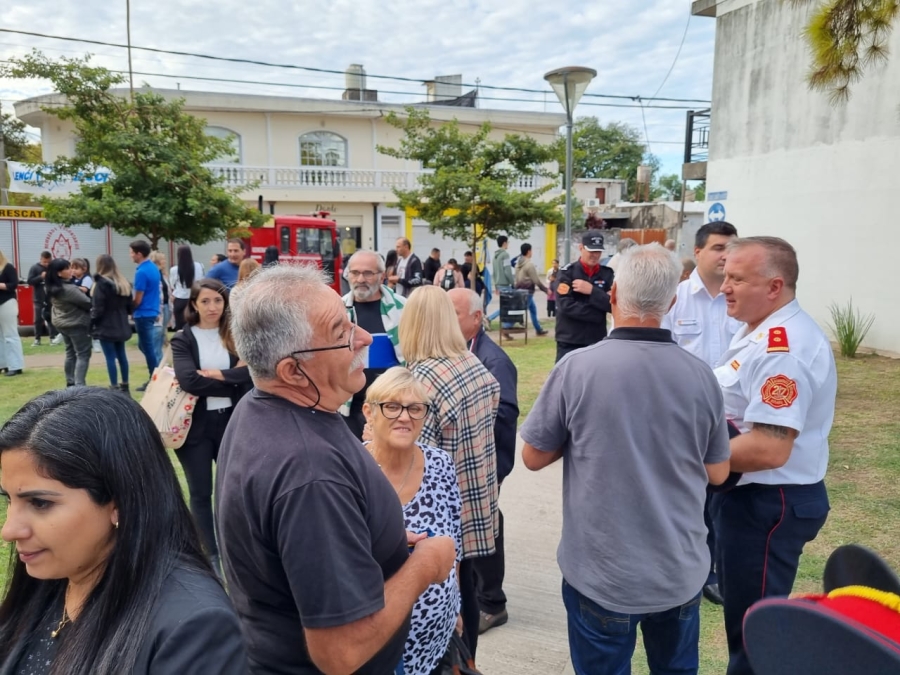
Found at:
<point>128,35</point>
<point>4,193</point>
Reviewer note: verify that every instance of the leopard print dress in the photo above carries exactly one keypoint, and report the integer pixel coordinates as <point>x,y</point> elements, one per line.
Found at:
<point>437,507</point>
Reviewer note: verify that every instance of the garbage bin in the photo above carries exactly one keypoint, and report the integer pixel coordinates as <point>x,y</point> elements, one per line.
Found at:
<point>513,305</point>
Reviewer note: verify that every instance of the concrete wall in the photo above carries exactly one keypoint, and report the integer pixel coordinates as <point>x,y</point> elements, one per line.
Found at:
<point>823,177</point>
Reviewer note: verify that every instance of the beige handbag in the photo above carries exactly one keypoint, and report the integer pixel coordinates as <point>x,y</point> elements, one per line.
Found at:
<point>169,406</point>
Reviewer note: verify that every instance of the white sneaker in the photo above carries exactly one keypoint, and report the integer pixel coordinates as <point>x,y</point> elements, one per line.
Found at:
<point>36,343</point>
<point>58,340</point>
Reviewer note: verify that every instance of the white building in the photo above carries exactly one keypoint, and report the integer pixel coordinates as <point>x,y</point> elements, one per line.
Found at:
<point>314,154</point>
<point>790,164</point>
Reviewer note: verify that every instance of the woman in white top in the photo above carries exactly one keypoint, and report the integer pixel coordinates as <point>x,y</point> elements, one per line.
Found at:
<point>181,277</point>
<point>207,366</point>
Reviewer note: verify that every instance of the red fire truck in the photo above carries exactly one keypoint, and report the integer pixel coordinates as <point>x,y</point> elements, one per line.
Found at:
<point>24,233</point>
<point>312,239</point>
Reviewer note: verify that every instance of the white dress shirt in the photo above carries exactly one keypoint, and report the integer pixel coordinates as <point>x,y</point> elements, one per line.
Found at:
<point>785,378</point>
<point>699,322</point>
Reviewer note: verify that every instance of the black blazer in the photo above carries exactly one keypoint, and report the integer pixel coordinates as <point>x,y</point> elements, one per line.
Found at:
<point>193,631</point>
<point>504,371</point>
<point>186,360</point>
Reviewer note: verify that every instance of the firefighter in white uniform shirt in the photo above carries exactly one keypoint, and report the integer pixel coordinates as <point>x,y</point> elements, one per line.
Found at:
<point>779,383</point>
<point>699,323</point>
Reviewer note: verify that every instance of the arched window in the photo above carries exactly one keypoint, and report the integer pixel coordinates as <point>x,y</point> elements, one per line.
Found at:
<point>227,134</point>
<point>323,148</point>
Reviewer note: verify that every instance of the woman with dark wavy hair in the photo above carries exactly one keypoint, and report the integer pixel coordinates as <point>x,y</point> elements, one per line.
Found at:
<point>207,365</point>
<point>109,576</point>
<point>70,310</point>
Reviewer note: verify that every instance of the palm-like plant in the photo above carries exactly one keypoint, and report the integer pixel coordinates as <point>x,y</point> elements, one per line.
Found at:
<point>846,37</point>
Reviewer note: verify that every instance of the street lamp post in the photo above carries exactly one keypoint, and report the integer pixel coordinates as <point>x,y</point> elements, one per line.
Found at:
<point>569,83</point>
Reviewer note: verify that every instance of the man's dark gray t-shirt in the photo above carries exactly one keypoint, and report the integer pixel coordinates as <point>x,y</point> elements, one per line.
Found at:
<point>637,418</point>
<point>309,530</point>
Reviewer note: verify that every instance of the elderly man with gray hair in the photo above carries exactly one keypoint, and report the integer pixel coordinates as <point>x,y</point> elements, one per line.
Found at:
<point>636,466</point>
<point>310,530</point>
<point>376,308</point>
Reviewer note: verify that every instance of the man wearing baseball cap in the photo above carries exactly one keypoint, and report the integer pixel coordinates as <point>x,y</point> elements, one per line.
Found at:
<point>582,298</point>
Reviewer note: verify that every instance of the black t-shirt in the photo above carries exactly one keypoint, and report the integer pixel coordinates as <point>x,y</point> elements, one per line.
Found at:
<point>368,316</point>
<point>9,277</point>
<point>309,530</point>
<point>37,657</point>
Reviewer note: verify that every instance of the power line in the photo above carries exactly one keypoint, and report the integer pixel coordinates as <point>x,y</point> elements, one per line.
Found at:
<point>399,93</point>
<point>312,69</point>
<point>675,60</point>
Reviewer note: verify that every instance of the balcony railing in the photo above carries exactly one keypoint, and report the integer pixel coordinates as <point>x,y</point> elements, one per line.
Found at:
<point>236,175</point>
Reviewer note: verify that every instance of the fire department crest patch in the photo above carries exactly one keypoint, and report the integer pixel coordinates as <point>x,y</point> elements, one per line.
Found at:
<point>779,391</point>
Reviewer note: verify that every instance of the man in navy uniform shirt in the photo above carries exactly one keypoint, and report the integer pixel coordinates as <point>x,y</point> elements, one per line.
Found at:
<point>582,298</point>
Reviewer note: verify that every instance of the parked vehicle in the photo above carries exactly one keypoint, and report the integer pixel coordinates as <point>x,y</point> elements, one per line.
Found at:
<point>24,232</point>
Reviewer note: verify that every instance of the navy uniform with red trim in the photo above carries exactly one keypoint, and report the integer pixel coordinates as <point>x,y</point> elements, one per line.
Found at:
<point>581,316</point>
<point>781,374</point>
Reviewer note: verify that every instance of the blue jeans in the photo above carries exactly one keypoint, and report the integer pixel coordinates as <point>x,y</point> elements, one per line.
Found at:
<point>533,309</point>
<point>601,642</point>
<point>146,333</point>
<point>114,351</point>
<point>497,313</point>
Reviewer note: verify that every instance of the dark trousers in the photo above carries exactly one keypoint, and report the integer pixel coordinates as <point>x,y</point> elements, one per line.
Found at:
<point>469,601</point>
<point>563,348</point>
<point>200,450</point>
<point>114,352</point>
<point>761,531</point>
<point>489,573</point>
<point>710,539</point>
<point>178,308</point>
<point>551,308</point>
<point>42,323</point>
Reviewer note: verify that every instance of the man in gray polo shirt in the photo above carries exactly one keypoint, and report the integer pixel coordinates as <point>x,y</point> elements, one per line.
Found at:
<point>635,471</point>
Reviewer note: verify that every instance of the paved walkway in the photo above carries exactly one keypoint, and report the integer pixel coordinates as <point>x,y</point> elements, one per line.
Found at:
<point>534,642</point>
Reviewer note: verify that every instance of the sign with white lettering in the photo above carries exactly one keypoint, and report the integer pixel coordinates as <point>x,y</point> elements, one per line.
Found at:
<point>28,179</point>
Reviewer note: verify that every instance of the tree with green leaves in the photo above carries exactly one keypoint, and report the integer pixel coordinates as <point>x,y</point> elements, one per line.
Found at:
<point>160,186</point>
<point>470,189</point>
<point>699,192</point>
<point>613,150</point>
<point>18,148</point>
<point>846,37</point>
<point>16,144</point>
<point>667,188</point>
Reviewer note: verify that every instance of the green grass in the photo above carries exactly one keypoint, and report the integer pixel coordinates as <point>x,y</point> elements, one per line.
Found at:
<point>862,477</point>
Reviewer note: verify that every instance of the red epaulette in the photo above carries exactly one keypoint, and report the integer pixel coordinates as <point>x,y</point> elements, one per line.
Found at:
<point>778,341</point>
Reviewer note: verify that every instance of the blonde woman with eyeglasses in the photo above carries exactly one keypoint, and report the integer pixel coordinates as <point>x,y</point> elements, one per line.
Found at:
<point>464,401</point>
<point>424,479</point>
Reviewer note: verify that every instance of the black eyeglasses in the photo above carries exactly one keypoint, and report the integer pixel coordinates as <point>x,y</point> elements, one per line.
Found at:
<point>393,410</point>
<point>349,345</point>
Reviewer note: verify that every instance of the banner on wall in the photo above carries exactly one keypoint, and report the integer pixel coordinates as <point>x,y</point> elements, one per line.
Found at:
<point>28,179</point>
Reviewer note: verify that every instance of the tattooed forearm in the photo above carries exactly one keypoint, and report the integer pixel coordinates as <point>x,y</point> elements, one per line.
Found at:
<point>774,430</point>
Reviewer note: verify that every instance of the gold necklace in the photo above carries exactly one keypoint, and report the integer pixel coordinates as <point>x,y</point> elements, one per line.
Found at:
<point>412,461</point>
<point>65,617</point>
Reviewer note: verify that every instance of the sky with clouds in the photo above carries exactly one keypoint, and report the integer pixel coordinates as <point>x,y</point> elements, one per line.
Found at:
<point>505,43</point>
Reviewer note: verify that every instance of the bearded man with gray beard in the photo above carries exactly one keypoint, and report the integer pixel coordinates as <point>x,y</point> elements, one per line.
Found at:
<point>376,308</point>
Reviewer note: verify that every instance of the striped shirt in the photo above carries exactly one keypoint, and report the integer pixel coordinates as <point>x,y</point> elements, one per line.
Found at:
<point>465,398</point>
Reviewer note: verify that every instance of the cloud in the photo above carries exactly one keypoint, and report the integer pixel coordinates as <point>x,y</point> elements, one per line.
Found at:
<point>501,43</point>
